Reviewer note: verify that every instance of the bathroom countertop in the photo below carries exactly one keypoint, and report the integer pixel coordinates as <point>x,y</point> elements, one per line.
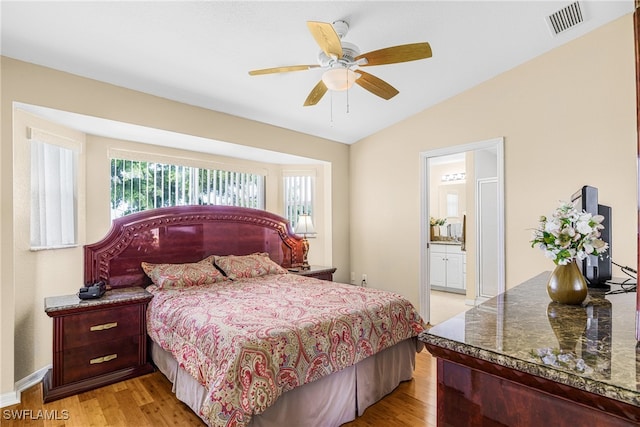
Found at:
<point>446,242</point>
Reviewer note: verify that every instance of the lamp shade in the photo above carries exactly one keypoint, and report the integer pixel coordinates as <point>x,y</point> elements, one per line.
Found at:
<point>304,226</point>
<point>339,78</point>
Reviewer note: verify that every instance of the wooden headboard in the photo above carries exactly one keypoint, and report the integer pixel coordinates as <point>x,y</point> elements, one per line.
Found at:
<point>186,234</point>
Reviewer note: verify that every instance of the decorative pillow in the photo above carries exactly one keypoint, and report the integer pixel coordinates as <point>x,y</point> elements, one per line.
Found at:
<point>254,265</point>
<point>173,276</point>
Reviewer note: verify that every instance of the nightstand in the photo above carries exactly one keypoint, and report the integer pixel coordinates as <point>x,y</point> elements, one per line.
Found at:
<point>96,342</point>
<point>317,271</point>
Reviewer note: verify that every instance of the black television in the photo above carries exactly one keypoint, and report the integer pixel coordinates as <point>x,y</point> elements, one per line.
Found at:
<point>595,269</point>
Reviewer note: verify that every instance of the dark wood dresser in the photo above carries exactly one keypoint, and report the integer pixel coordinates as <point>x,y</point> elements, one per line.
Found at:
<point>96,342</point>
<point>520,359</point>
<point>317,271</point>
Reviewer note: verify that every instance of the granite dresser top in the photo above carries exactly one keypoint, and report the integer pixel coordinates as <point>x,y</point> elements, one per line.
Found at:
<point>52,305</point>
<point>591,347</point>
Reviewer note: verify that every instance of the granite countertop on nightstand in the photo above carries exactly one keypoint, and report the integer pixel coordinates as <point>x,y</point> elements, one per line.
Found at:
<point>591,347</point>
<point>114,296</point>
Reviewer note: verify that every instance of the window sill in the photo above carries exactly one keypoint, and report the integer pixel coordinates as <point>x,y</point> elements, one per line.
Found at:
<point>46,248</point>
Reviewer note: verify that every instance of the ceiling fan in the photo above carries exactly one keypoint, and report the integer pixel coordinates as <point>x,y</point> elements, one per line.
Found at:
<point>342,62</point>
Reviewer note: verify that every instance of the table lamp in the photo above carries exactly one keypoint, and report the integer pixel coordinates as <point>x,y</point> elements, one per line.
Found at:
<point>304,227</point>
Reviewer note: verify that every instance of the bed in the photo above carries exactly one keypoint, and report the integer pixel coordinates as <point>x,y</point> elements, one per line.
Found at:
<point>244,341</point>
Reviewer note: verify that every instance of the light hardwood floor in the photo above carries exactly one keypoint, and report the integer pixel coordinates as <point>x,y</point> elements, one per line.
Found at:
<point>148,401</point>
<point>445,305</point>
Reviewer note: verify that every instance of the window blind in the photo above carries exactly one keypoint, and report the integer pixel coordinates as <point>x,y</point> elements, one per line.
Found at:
<point>54,163</point>
<point>139,185</point>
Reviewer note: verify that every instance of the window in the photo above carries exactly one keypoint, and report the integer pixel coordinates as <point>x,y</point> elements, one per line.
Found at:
<point>140,185</point>
<point>299,189</point>
<point>53,186</point>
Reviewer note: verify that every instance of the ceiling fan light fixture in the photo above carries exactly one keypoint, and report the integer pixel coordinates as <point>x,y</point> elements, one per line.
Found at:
<point>340,58</point>
<point>339,79</point>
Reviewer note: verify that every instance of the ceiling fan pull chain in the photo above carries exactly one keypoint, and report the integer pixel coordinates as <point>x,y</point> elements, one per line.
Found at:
<point>331,107</point>
<point>346,70</point>
<point>347,101</point>
<point>348,90</point>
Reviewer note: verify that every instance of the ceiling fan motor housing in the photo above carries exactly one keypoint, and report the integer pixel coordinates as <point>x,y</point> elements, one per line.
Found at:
<point>349,52</point>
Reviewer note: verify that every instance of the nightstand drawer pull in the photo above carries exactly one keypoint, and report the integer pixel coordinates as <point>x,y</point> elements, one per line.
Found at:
<point>103,359</point>
<point>104,326</point>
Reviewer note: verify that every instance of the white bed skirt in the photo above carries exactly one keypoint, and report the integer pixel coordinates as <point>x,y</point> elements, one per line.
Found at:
<point>329,401</point>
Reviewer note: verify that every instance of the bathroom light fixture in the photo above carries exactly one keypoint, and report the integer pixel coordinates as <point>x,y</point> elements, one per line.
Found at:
<point>454,177</point>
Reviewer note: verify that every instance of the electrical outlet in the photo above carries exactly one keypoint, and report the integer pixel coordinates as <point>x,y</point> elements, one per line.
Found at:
<point>364,277</point>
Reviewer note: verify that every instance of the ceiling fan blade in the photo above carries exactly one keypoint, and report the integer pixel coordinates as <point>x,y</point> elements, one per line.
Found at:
<point>316,94</point>
<point>376,85</point>
<point>326,37</point>
<point>283,69</point>
<point>395,54</point>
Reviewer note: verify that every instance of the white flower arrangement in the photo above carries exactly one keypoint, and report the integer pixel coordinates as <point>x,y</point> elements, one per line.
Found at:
<point>569,235</point>
<point>437,221</point>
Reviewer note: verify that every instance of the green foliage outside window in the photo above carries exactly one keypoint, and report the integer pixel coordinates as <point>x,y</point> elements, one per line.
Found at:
<point>141,185</point>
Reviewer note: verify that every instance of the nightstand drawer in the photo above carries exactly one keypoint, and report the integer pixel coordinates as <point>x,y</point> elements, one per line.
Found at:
<point>100,326</point>
<point>101,358</point>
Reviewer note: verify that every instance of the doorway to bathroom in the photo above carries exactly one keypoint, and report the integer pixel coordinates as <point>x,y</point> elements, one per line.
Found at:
<point>462,227</point>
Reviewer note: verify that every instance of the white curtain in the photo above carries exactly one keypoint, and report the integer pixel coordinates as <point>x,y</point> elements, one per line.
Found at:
<point>53,195</point>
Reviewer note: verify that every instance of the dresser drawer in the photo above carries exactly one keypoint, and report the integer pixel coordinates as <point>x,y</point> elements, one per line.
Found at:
<point>100,358</point>
<point>100,326</point>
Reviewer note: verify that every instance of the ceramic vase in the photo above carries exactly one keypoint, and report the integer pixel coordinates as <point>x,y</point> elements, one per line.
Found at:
<point>567,284</point>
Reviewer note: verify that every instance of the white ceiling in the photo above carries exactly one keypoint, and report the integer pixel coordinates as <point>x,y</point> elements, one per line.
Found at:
<point>199,52</point>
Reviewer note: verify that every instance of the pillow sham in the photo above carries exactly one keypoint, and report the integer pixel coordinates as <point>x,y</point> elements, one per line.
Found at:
<point>254,265</point>
<point>175,276</point>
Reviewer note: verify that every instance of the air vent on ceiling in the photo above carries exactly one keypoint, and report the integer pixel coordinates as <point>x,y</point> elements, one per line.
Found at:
<point>565,18</point>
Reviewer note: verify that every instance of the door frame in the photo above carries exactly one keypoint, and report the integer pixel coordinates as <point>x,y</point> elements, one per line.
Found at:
<point>425,232</point>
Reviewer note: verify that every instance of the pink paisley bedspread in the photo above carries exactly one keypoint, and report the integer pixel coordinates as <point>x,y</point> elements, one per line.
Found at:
<point>250,340</point>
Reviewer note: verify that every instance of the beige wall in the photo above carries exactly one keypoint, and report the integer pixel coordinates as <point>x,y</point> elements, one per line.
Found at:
<point>568,119</point>
<point>26,277</point>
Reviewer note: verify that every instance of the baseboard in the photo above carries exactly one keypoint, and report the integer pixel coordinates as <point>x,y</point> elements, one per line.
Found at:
<point>480,300</point>
<point>32,379</point>
<point>13,397</point>
<point>470,302</point>
<point>8,399</point>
